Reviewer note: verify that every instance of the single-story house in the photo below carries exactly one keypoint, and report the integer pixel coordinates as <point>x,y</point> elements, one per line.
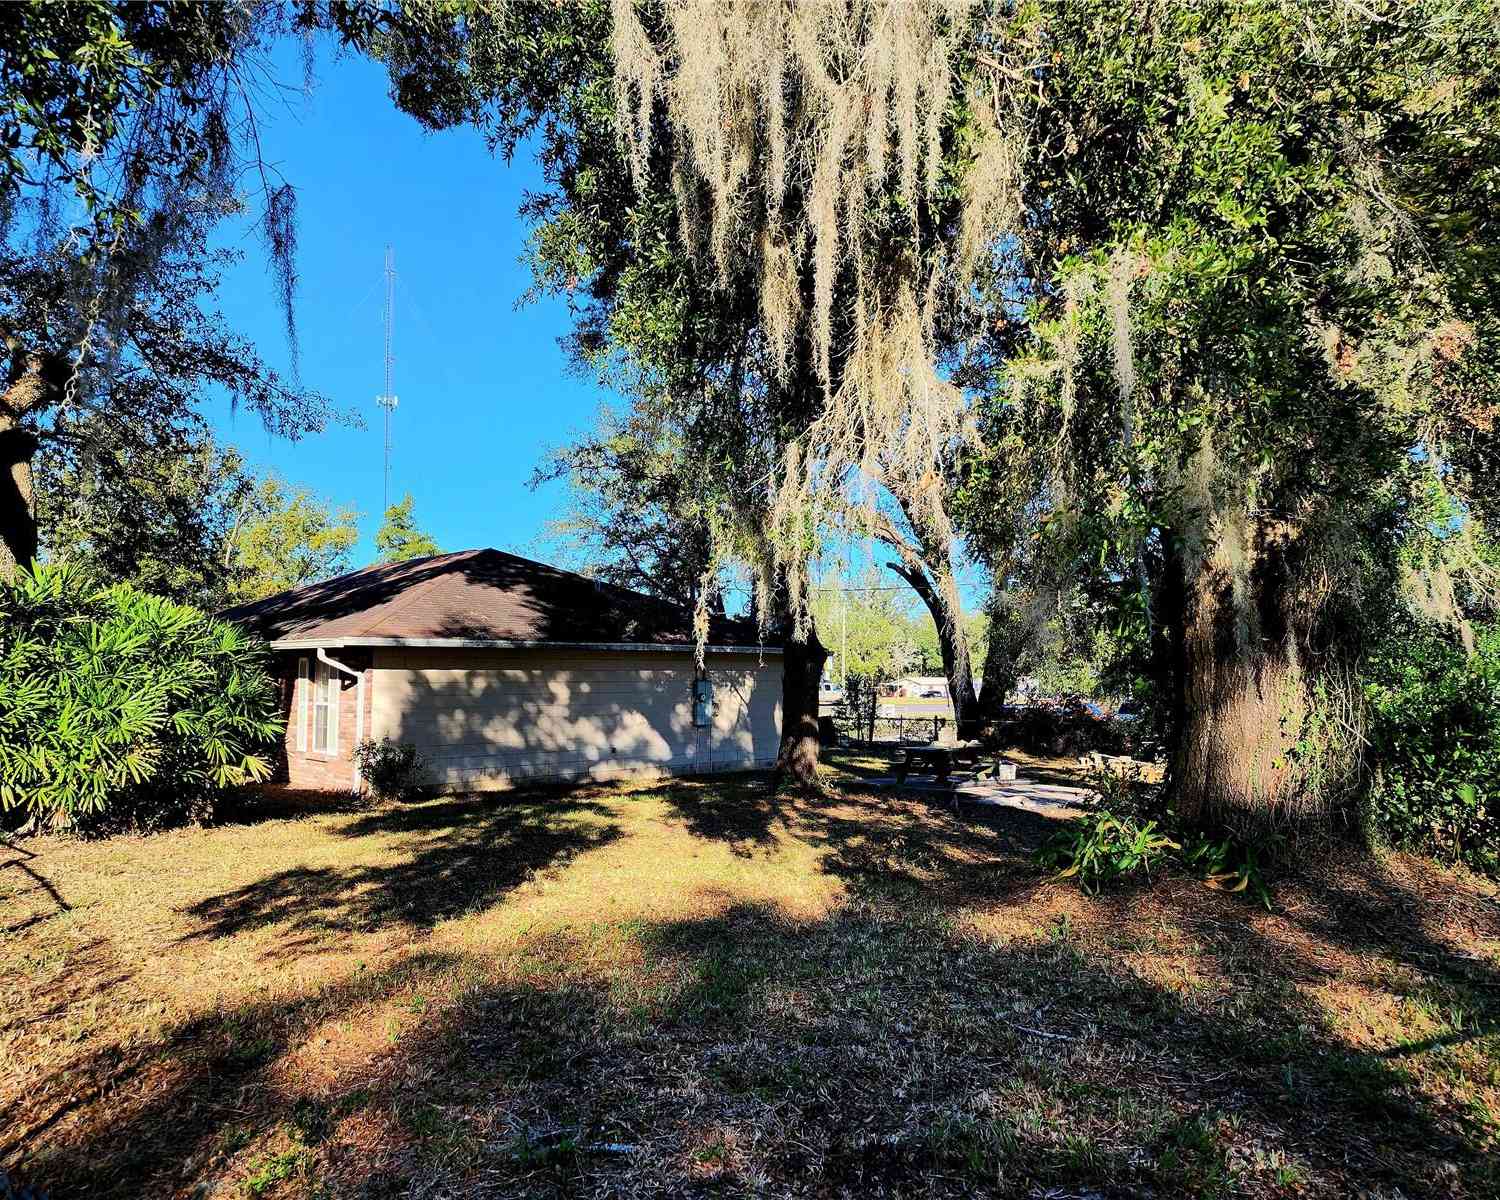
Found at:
<point>500,670</point>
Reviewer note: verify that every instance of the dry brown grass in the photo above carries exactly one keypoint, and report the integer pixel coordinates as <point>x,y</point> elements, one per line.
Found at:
<point>691,987</point>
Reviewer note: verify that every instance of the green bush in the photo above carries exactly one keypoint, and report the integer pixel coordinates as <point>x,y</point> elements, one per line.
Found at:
<point>394,770</point>
<point>1068,729</point>
<point>1435,746</point>
<point>1104,846</point>
<point>1134,832</point>
<point>119,708</point>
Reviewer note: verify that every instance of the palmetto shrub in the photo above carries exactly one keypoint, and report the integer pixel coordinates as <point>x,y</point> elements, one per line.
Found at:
<point>119,708</point>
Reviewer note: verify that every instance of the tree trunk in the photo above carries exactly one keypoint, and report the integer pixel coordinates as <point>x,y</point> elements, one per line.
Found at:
<point>953,643</point>
<point>1261,745</point>
<point>1000,657</point>
<point>801,671</point>
<point>18,532</point>
<point>34,382</point>
<point>928,566</point>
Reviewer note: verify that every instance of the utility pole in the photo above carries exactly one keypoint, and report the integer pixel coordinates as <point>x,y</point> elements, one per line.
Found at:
<point>843,638</point>
<point>844,619</point>
<point>387,399</point>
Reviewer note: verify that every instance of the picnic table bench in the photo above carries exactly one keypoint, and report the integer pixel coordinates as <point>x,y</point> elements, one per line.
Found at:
<point>938,759</point>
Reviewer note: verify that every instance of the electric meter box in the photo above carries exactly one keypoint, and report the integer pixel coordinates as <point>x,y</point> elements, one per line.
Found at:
<point>703,703</point>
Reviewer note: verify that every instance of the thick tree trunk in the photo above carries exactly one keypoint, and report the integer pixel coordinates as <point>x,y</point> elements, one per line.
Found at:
<point>1000,657</point>
<point>927,564</point>
<point>34,383</point>
<point>1257,748</point>
<point>953,644</point>
<point>18,532</point>
<point>801,671</point>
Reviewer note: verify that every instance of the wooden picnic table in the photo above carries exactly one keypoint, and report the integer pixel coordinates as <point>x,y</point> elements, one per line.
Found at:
<point>939,759</point>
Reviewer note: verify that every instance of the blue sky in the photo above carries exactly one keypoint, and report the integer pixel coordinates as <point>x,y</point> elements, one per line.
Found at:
<point>483,385</point>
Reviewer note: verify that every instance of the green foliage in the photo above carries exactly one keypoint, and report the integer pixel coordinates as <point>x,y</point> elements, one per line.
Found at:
<point>1110,845</point>
<point>860,705</point>
<point>161,521</point>
<point>289,539</point>
<point>1435,746</point>
<point>640,510</point>
<point>269,1171</point>
<point>399,538</point>
<point>1068,728</point>
<point>1251,267</point>
<point>1229,865</point>
<point>1255,331</point>
<point>870,627</point>
<point>127,135</point>
<point>1104,847</point>
<point>118,707</point>
<point>185,521</point>
<point>116,103</point>
<point>394,770</point>
<point>674,492</point>
<point>1132,832</point>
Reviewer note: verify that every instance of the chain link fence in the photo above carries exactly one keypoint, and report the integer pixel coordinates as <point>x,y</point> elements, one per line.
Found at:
<point>870,729</point>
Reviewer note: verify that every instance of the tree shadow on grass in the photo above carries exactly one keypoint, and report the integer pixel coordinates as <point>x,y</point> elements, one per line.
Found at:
<point>739,811</point>
<point>877,838</point>
<point>22,880</point>
<point>884,1049</point>
<point>276,802</point>
<point>1368,916</point>
<point>450,856</point>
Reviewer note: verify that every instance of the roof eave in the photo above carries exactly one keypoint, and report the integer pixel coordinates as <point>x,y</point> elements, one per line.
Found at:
<point>356,642</point>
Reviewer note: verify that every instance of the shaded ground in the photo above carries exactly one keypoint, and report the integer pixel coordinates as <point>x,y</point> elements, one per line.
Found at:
<point>692,989</point>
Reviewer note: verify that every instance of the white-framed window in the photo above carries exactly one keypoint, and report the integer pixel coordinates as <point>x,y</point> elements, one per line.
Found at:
<point>304,688</point>
<point>325,710</point>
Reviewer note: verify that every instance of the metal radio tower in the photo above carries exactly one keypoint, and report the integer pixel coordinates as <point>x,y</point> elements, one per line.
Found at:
<point>387,400</point>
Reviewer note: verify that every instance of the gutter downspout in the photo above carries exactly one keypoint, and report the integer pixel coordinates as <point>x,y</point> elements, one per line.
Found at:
<point>359,705</point>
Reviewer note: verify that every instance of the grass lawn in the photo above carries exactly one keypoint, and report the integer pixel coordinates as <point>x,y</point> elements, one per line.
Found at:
<point>690,988</point>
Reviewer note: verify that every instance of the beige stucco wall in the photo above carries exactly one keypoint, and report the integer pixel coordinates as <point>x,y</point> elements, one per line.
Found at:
<point>491,718</point>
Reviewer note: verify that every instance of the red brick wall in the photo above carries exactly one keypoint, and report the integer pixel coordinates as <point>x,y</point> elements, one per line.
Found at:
<point>306,768</point>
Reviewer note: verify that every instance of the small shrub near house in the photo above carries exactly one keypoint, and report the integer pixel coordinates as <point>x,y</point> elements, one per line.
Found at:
<point>394,770</point>
<point>122,709</point>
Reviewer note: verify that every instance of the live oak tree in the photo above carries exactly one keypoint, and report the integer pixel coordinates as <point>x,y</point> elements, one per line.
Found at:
<point>1252,327</point>
<point>650,316</point>
<point>399,539</point>
<point>840,159</point>
<point>120,388</point>
<point>127,133</point>
<point>814,324</point>
<point>1221,274</point>
<point>1247,252</point>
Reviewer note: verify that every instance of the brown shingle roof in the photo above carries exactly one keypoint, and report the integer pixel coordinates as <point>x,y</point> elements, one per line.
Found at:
<point>484,595</point>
